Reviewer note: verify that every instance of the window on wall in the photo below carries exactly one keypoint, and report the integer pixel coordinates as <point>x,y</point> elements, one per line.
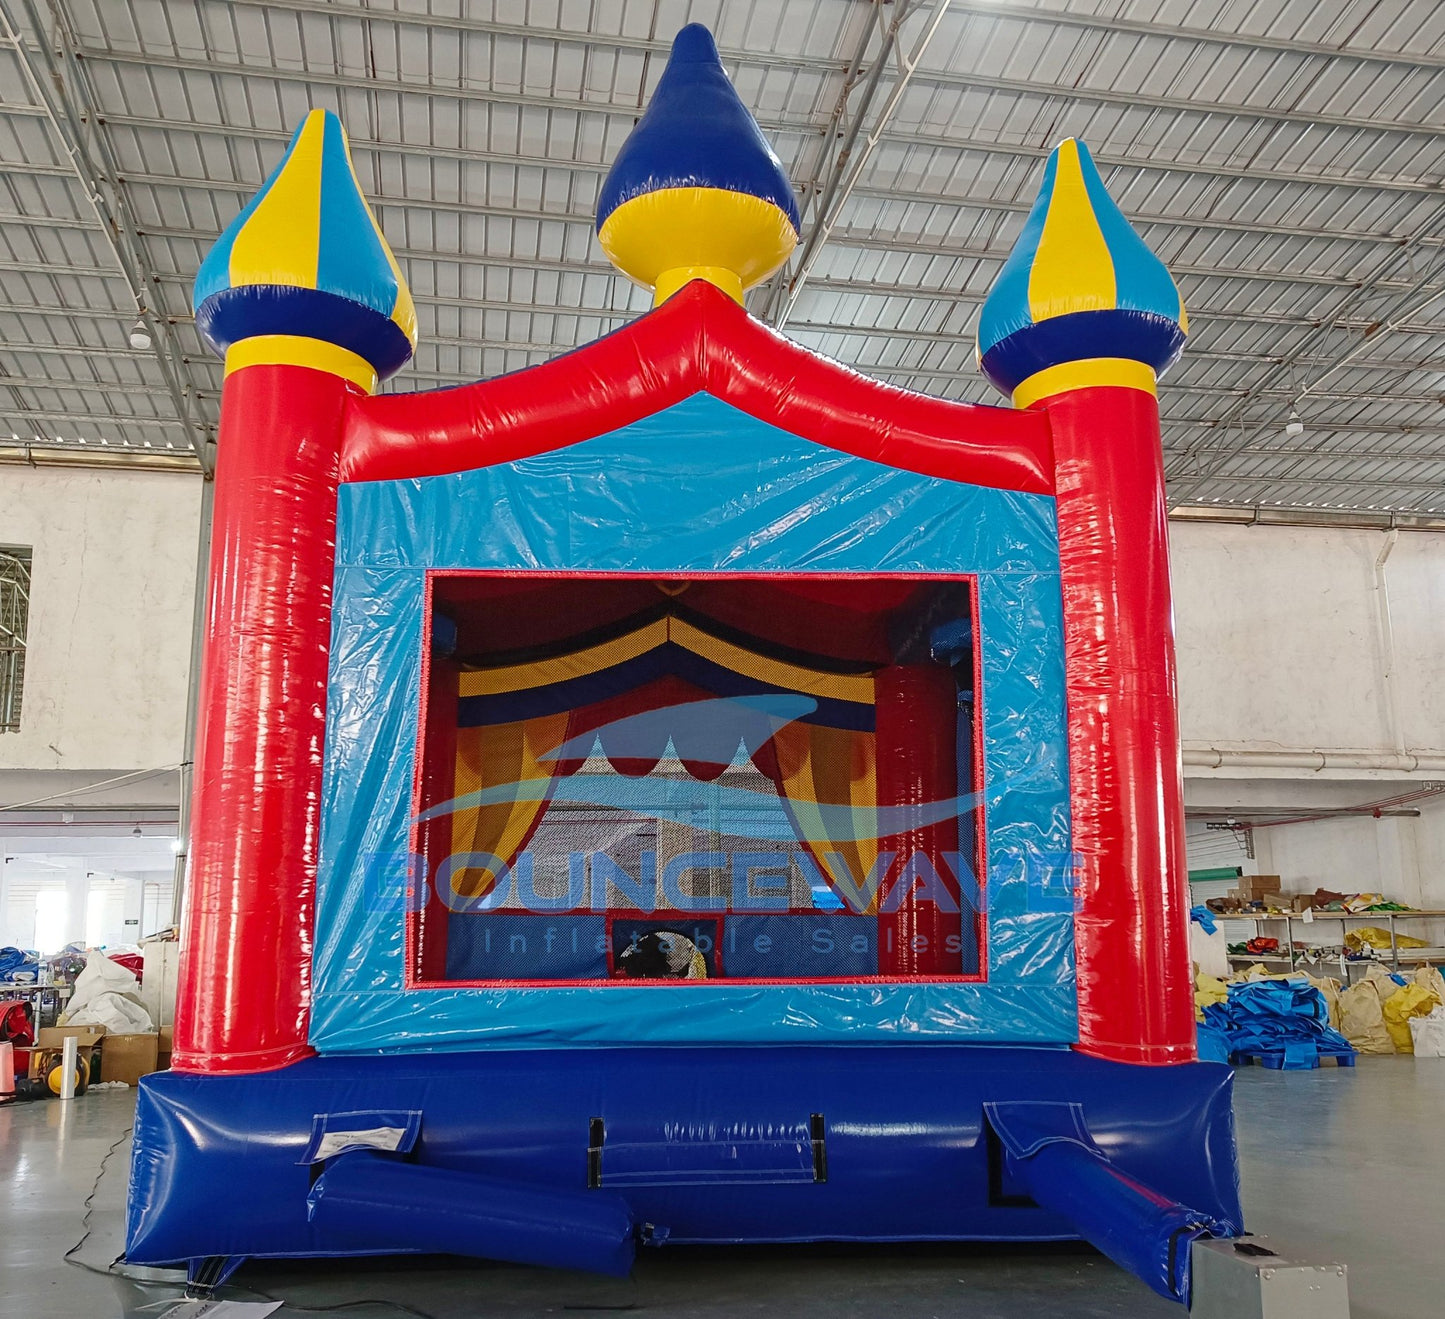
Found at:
<point>105,907</point>
<point>52,916</point>
<point>14,617</point>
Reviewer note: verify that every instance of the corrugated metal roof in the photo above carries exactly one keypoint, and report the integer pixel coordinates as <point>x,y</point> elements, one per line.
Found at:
<point>1285,157</point>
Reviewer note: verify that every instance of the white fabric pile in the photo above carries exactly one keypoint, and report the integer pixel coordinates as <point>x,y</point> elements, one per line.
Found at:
<point>108,995</point>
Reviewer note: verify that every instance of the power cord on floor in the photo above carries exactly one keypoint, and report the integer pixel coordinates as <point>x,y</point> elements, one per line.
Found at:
<point>400,1307</point>
<point>89,1209</point>
<point>332,1309</point>
<point>109,1272</point>
<point>396,1305</point>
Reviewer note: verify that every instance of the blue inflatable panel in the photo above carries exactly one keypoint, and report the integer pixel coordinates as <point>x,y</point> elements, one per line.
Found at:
<point>1138,1227</point>
<point>745,1144</point>
<point>375,1201</point>
<point>696,134</point>
<point>723,492</point>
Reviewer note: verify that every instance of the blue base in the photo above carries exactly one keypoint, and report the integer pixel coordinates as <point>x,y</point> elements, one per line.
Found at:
<point>707,1144</point>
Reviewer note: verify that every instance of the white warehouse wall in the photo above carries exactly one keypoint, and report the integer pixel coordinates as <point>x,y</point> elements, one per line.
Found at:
<point>113,579</point>
<point>1282,648</point>
<point>1402,857</point>
<point>1279,630</point>
<point>1311,639</point>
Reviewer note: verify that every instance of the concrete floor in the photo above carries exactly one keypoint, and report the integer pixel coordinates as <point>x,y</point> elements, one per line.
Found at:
<point>1347,1163</point>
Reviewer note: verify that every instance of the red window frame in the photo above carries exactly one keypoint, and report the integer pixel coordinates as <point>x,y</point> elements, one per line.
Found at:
<point>417,948</point>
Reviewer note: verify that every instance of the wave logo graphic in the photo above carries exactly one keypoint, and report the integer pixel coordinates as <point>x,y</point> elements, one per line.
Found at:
<point>717,732</point>
<point>724,732</point>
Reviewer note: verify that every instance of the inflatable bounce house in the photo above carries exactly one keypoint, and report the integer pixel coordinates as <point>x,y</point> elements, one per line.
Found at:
<point>684,791</point>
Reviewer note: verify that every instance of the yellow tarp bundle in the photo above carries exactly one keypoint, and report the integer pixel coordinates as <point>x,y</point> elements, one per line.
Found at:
<point>1430,979</point>
<point>1414,1000</point>
<point>1362,1018</point>
<point>1330,988</point>
<point>1207,990</point>
<point>1375,937</point>
<point>1375,1012</point>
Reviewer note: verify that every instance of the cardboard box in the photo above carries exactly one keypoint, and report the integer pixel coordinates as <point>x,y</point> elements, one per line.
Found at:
<point>49,1045</point>
<point>1253,887</point>
<point>54,1037</point>
<point>163,1052</point>
<point>129,1057</point>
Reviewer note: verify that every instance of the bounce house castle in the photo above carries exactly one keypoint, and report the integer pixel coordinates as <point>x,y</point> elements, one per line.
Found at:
<point>684,791</point>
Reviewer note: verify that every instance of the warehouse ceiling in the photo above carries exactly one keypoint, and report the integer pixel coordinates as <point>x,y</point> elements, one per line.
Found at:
<point>1285,157</point>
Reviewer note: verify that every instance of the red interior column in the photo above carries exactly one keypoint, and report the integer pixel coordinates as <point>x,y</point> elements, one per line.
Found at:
<point>427,961</point>
<point>1131,932</point>
<point>245,985</point>
<point>917,760</point>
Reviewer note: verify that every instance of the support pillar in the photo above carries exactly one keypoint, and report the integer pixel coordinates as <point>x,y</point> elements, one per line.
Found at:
<point>1082,321</point>
<point>1131,934</point>
<point>919,926</point>
<point>303,298</point>
<point>256,803</point>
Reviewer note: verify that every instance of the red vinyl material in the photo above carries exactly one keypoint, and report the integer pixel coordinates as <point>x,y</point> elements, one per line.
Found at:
<point>917,757</point>
<point>435,783</point>
<point>289,434</point>
<point>1131,933</point>
<point>699,340</point>
<point>256,805</point>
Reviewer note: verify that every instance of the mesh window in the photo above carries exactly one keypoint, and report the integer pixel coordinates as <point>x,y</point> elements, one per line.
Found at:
<point>833,699</point>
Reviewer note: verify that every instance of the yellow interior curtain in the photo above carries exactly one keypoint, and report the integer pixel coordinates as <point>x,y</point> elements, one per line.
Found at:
<point>828,780</point>
<point>826,774</point>
<point>502,762</point>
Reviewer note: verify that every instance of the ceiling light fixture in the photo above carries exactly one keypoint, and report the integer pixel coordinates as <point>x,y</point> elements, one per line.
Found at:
<point>1294,427</point>
<point>140,336</point>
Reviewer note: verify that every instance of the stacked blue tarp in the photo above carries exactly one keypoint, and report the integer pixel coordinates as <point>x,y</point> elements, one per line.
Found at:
<point>1283,1021</point>
<point>1211,1043</point>
<point>16,961</point>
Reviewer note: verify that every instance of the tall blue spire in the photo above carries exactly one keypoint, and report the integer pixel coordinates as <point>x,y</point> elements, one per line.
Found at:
<point>1080,286</point>
<point>696,192</point>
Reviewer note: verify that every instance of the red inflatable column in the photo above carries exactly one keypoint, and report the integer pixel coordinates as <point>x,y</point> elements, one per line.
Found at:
<point>1082,321</point>
<point>257,796</point>
<point>304,300</point>
<point>919,926</point>
<point>436,780</point>
<point>1136,999</point>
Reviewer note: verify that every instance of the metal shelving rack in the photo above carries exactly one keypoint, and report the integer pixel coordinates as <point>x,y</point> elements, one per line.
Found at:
<point>1387,918</point>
